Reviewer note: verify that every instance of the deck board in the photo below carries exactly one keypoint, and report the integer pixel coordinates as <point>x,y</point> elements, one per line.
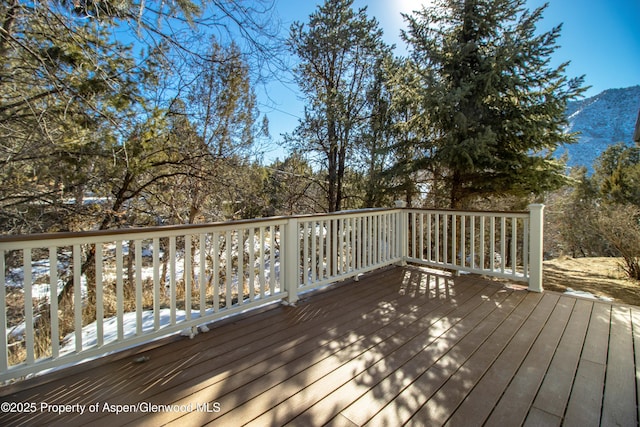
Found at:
<point>619,403</point>
<point>411,359</point>
<point>441,403</point>
<point>480,401</point>
<point>553,395</point>
<point>401,345</point>
<point>585,402</point>
<point>523,388</point>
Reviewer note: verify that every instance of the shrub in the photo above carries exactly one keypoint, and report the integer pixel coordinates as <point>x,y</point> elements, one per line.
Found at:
<point>619,225</point>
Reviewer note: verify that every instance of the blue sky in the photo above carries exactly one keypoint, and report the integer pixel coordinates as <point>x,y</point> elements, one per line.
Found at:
<point>601,39</point>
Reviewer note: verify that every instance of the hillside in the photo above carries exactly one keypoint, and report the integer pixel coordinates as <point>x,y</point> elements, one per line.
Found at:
<point>602,120</point>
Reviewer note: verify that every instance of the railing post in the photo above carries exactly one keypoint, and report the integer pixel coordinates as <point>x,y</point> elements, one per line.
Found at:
<point>402,225</point>
<point>290,260</point>
<point>536,220</point>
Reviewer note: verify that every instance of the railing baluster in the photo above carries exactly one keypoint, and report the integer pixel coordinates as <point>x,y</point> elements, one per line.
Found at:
<point>348,245</point>
<point>445,238</point>
<point>392,238</point>
<point>202,265</point>
<point>463,240</point>
<point>514,245</point>
<point>27,285</point>
<point>342,231</point>
<point>503,241</point>
<point>482,242</point>
<point>272,261</point>
<point>314,230</point>
<point>252,263</point>
<point>342,246</point>
<point>119,289</point>
<point>472,241</point>
<point>366,239</point>
<point>215,242</point>
<point>389,243</point>
<point>186,276</point>
<point>321,249</point>
<point>172,280</point>
<point>454,238</point>
<point>99,296</point>
<point>307,257</point>
<point>334,247</point>
<point>4,347</point>
<point>421,234</point>
<point>414,227</point>
<point>156,283</point>
<point>228,270</point>
<point>381,238</point>
<point>386,239</point>
<point>138,280</point>
<point>374,239</point>
<point>240,275</point>
<point>492,243</point>
<point>53,300</point>
<point>436,227</point>
<point>357,243</point>
<point>262,262</point>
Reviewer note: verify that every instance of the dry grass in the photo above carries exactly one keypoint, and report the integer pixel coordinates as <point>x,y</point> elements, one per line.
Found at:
<point>601,276</point>
<point>66,325</point>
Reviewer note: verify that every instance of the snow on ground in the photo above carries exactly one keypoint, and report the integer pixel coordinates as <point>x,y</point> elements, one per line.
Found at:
<point>585,294</point>
<point>40,273</point>
<point>110,328</point>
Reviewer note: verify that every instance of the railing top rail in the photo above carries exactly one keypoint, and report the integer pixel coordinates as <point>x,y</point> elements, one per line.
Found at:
<point>166,230</point>
<point>470,211</point>
<point>344,213</point>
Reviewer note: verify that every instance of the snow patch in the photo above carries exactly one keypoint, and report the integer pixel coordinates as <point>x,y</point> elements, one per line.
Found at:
<point>585,294</point>
<point>129,326</point>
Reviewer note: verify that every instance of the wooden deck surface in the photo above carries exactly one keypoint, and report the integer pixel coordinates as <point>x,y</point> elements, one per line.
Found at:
<point>402,345</point>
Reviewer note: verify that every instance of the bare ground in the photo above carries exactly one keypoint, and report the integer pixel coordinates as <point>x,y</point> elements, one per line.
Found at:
<point>602,277</point>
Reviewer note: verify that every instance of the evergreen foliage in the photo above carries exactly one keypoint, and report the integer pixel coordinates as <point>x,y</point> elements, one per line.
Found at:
<point>337,51</point>
<point>599,215</point>
<point>493,104</point>
<point>96,135</point>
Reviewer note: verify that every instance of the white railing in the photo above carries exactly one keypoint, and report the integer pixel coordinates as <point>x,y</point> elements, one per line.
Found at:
<point>335,247</point>
<point>110,290</point>
<point>499,244</point>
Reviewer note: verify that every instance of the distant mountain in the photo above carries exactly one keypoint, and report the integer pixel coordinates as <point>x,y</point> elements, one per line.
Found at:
<point>602,120</point>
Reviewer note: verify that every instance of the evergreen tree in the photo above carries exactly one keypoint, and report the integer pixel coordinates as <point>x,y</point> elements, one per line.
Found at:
<point>377,137</point>
<point>63,95</point>
<point>336,53</point>
<point>291,187</point>
<point>617,174</point>
<point>406,173</point>
<point>494,104</point>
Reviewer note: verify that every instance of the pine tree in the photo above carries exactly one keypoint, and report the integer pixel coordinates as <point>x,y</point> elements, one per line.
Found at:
<point>494,104</point>
<point>63,94</point>
<point>336,53</point>
<point>617,173</point>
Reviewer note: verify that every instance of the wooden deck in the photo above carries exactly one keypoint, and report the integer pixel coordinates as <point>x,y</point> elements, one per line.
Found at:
<point>402,345</point>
